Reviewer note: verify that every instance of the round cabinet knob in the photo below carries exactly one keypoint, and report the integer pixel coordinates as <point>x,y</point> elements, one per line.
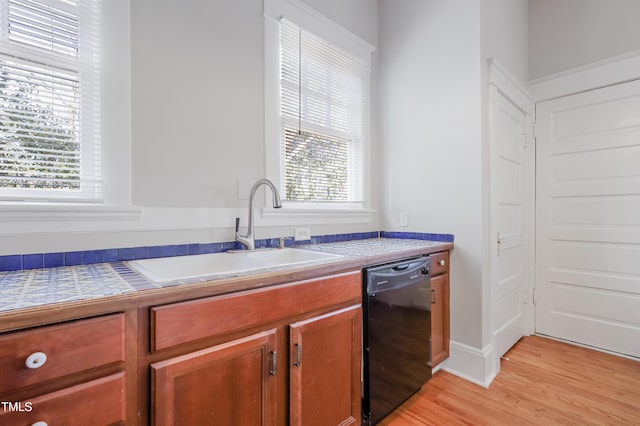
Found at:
<point>36,360</point>
<point>40,423</point>
<point>442,262</point>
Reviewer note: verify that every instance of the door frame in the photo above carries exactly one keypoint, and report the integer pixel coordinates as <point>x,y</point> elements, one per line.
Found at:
<point>502,84</point>
<point>618,69</point>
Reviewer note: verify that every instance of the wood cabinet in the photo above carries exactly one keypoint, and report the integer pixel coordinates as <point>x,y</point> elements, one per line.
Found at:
<point>439,307</point>
<point>325,370</point>
<point>97,402</point>
<point>288,354</point>
<point>280,348</point>
<point>228,384</point>
<point>70,373</point>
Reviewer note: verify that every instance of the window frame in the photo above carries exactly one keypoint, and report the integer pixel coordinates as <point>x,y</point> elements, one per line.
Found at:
<point>86,66</point>
<point>115,134</point>
<point>312,21</point>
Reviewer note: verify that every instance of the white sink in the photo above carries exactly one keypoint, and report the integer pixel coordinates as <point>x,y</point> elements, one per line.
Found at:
<point>228,263</point>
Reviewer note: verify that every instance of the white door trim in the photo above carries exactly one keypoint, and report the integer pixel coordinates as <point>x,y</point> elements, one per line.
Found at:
<point>509,86</point>
<point>618,69</point>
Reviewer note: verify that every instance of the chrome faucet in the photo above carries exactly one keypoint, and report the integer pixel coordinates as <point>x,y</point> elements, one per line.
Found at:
<point>248,240</point>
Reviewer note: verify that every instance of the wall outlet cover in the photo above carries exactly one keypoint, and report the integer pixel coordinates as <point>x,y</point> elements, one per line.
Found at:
<point>302,234</point>
<point>404,218</point>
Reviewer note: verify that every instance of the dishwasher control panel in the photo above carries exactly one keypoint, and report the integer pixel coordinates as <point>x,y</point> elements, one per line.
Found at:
<point>380,278</point>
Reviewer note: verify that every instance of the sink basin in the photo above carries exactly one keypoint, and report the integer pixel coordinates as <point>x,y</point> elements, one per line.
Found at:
<point>228,263</point>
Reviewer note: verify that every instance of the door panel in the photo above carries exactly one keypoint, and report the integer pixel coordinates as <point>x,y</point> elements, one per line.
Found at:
<point>509,175</point>
<point>227,384</point>
<point>588,218</point>
<point>439,330</point>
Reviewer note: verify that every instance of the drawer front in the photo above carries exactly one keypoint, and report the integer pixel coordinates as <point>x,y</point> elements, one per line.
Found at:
<point>98,402</point>
<point>180,323</point>
<point>37,355</point>
<point>439,263</point>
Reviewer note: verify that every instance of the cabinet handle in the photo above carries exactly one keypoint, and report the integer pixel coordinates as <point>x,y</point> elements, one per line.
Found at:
<point>442,262</point>
<point>433,296</point>
<point>298,360</point>
<point>274,363</point>
<point>36,360</point>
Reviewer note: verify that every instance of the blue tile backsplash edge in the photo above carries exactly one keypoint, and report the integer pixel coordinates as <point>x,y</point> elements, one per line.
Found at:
<point>17,262</point>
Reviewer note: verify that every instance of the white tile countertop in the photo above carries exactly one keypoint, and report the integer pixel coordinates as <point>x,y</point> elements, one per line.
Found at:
<point>372,247</point>
<point>38,287</point>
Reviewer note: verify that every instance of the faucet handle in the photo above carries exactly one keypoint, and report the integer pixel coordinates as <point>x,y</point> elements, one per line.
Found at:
<point>237,224</point>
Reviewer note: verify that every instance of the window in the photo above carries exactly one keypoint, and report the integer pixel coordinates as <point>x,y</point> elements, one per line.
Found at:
<point>49,100</point>
<point>322,129</point>
<point>324,96</point>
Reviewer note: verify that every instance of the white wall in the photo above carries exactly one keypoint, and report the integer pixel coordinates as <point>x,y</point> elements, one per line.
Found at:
<point>430,128</point>
<point>505,35</point>
<point>571,33</point>
<point>198,106</point>
<point>358,16</point>
<point>189,109</point>
<point>433,132</point>
<point>198,117</point>
<point>197,111</point>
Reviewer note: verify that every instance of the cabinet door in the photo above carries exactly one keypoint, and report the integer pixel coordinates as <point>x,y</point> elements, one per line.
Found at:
<point>325,369</point>
<point>228,384</point>
<point>439,319</point>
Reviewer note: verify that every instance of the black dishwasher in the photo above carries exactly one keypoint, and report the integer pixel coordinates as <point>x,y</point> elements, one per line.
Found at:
<point>397,332</point>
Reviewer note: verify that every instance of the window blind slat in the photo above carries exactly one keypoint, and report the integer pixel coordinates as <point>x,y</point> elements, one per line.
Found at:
<point>324,98</point>
<point>41,25</point>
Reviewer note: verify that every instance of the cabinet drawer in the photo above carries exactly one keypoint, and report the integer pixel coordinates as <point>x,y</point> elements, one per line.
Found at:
<point>180,323</point>
<point>98,402</point>
<point>69,348</point>
<point>439,263</point>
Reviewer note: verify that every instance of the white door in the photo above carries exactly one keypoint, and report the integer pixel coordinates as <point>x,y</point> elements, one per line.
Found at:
<point>511,205</point>
<point>588,218</point>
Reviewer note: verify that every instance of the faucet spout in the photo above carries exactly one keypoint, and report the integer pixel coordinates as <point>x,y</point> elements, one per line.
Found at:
<point>248,240</point>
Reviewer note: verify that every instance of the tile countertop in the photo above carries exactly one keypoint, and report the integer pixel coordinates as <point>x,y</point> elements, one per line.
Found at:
<point>372,247</point>
<point>38,287</point>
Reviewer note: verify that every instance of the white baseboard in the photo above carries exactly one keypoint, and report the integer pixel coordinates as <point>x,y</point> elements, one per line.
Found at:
<point>472,364</point>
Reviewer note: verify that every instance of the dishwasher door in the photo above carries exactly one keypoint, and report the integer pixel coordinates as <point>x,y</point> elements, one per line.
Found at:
<point>397,332</point>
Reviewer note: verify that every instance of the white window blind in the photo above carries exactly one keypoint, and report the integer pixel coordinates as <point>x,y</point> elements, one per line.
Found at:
<point>324,103</point>
<point>49,100</point>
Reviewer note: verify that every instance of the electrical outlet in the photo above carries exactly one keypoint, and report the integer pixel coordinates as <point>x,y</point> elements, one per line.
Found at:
<point>404,219</point>
<point>302,234</point>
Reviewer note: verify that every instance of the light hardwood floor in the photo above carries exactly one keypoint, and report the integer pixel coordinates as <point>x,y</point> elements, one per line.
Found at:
<point>543,382</point>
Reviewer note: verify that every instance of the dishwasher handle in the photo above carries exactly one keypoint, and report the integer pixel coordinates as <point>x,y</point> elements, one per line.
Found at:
<point>398,274</point>
<point>400,268</point>
<point>406,267</point>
